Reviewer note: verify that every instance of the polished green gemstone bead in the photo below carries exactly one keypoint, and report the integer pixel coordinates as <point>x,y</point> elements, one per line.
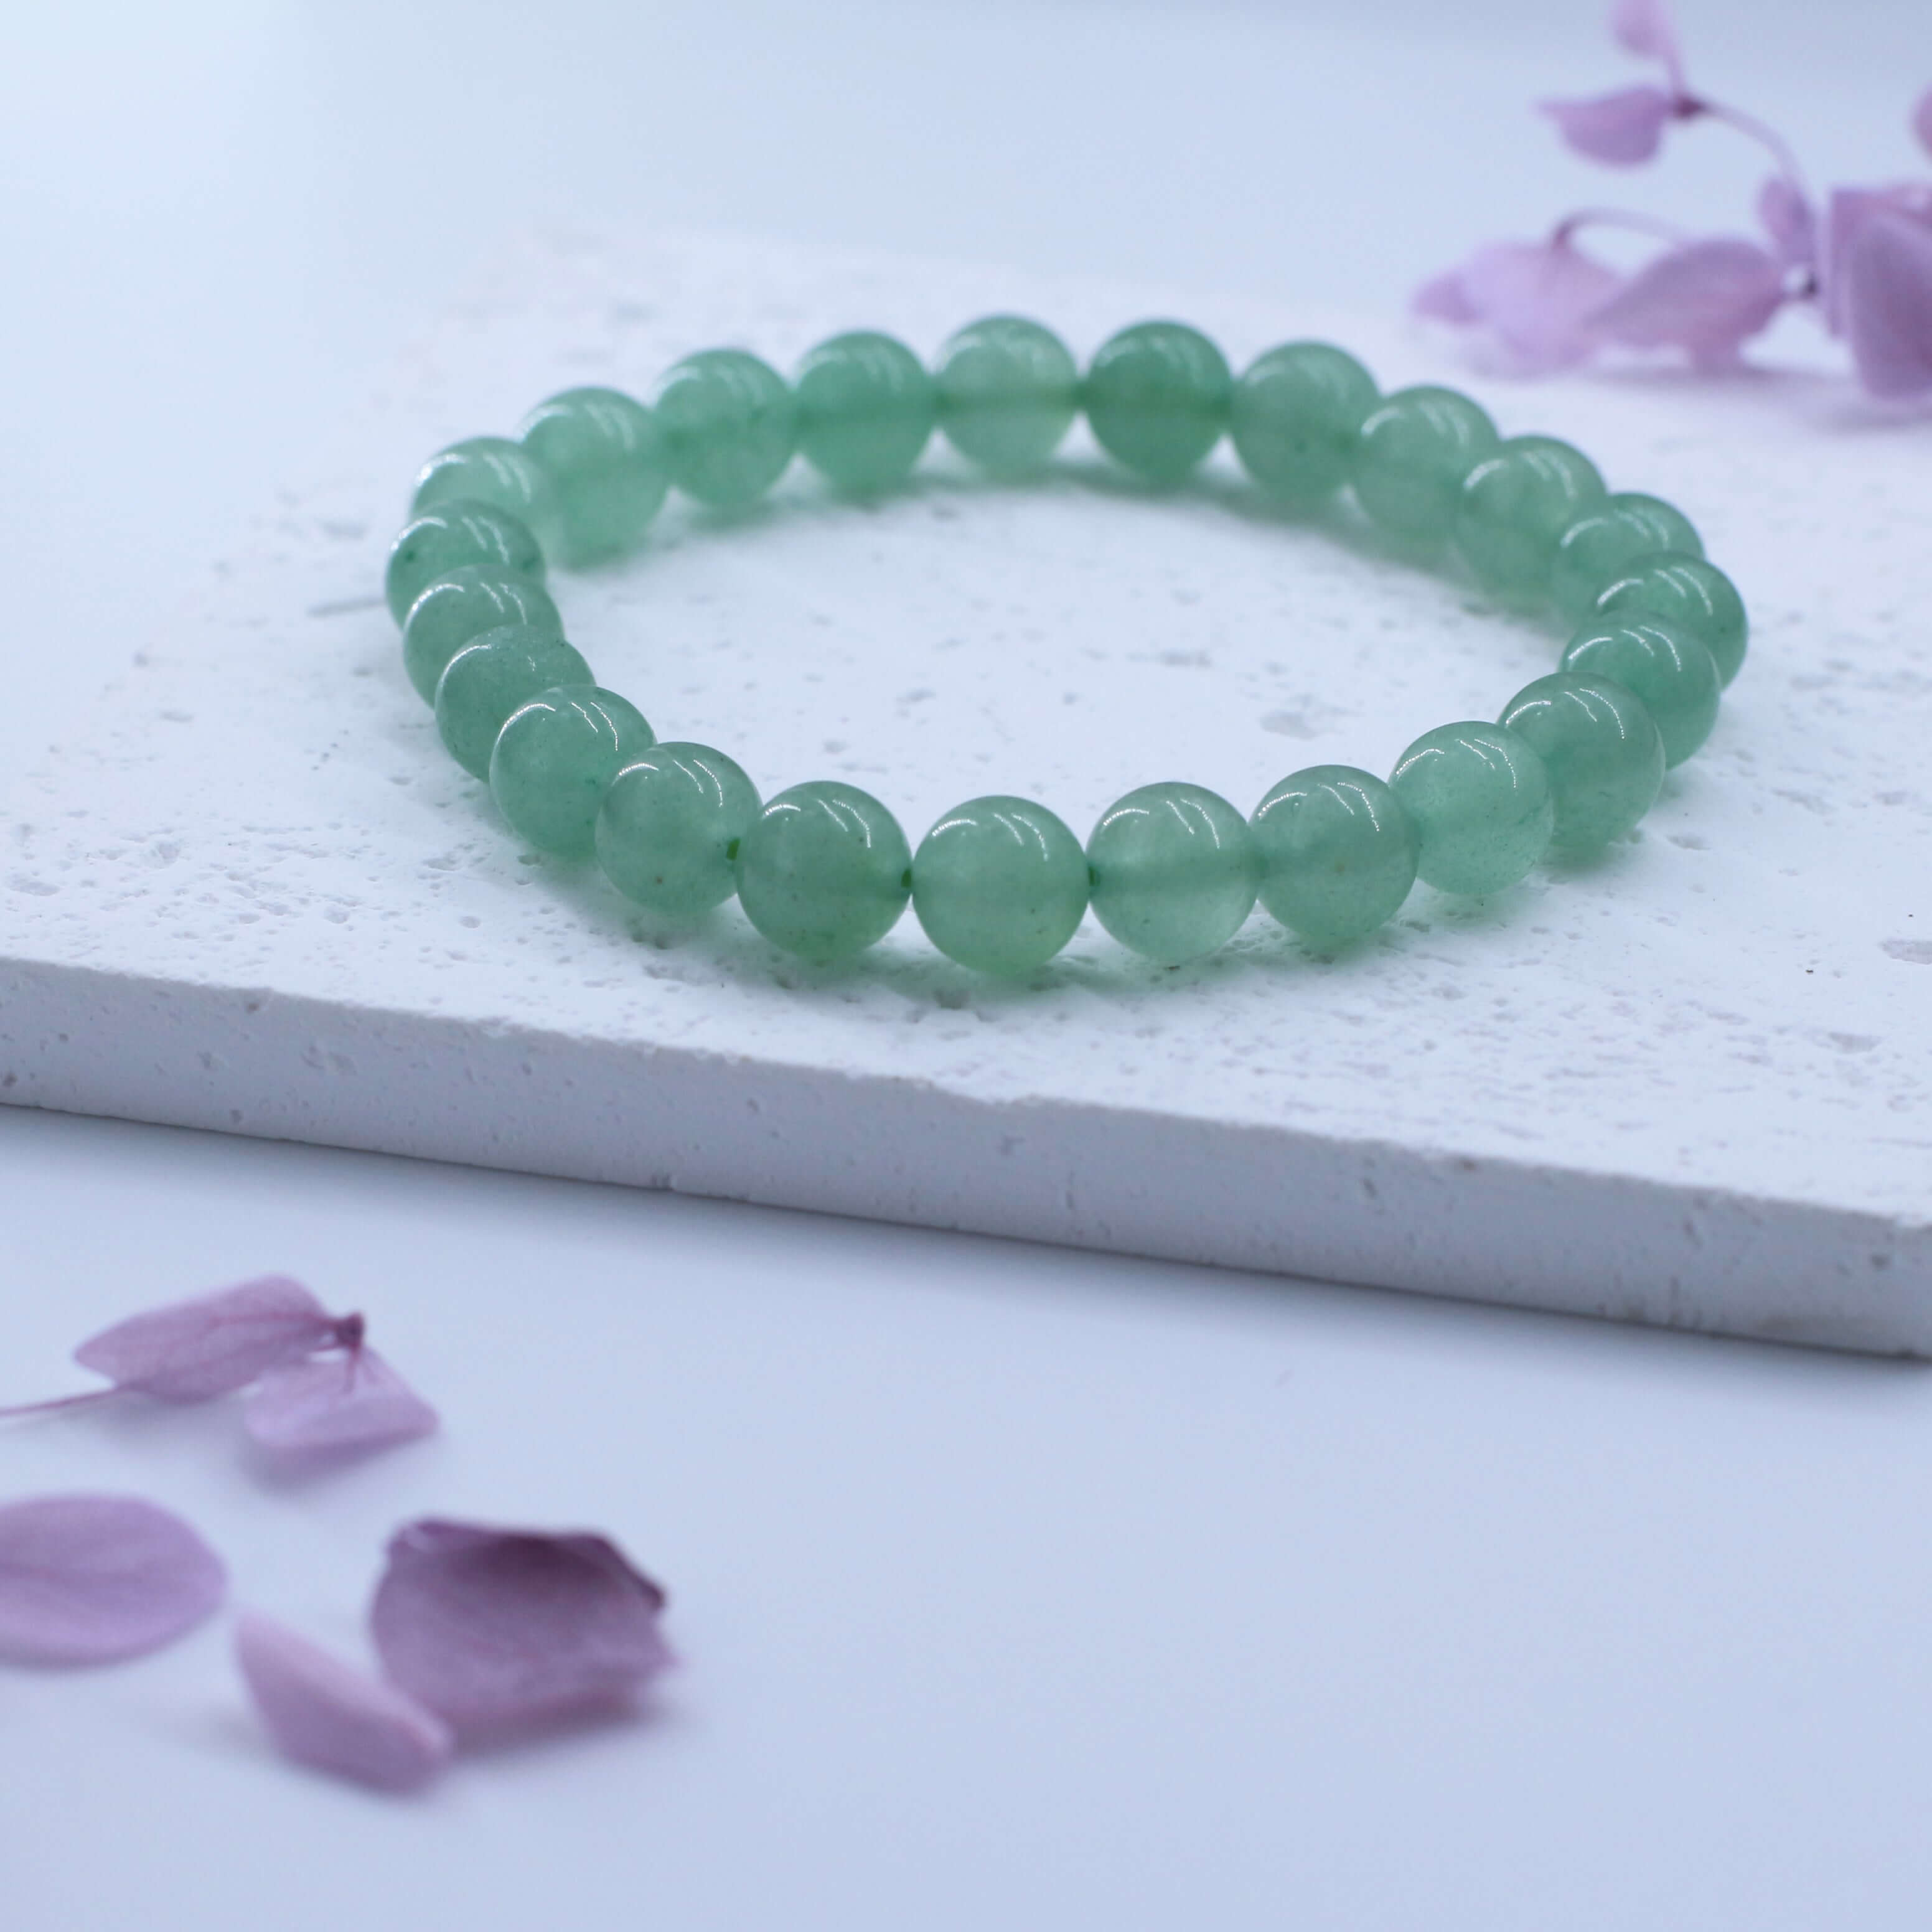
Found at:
<point>1601,748</point>
<point>451,536</point>
<point>730,426</point>
<point>1296,416</point>
<point>669,830</point>
<point>1156,398</point>
<point>865,411</point>
<point>1480,802</point>
<point>1603,542</point>
<point>462,606</point>
<point>824,870</point>
<point>999,885</point>
<point>1515,505</point>
<point>1669,669</point>
<point>493,469</point>
<point>1173,872</point>
<point>605,457</point>
<point>1008,392</point>
<point>1690,595</point>
<point>1412,458</point>
<point>556,753</point>
<point>489,678</point>
<point>1337,853</point>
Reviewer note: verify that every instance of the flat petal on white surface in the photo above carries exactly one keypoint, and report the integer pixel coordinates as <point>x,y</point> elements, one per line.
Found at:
<point>335,1404</point>
<point>191,1350</point>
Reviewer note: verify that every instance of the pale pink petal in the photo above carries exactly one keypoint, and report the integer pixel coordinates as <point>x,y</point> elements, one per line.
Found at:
<point>1444,298</point>
<point>499,1629</point>
<point>1886,296</point>
<point>1921,120</point>
<point>1850,208</point>
<point>1789,220</point>
<point>1537,300</point>
<point>321,1712</point>
<point>192,1350</point>
<point>1705,298</point>
<point>335,1405</point>
<point>88,1579</point>
<point>1620,129</point>
<point>1646,28</point>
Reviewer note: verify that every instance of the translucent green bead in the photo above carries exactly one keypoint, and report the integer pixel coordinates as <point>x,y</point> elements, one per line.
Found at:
<point>865,411</point>
<point>1173,872</point>
<point>457,608</point>
<point>1156,398</point>
<point>489,678</point>
<point>1296,416</point>
<point>1000,884</point>
<point>1412,458</point>
<point>1669,669</point>
<point>1337,853</point>
<point>451,536</point>
<point>1515,505</point>
<point>1481,804</point>
<point>493,469</point>
<point>730,426</point>
<point>1008,392</point>
<point>824,870</point>
<point>605,457</point>
<point>1601,748</point>
<point>669,830</point>
<point>1690,595</point>
<point>1603,542</point>
<point>556,753</point>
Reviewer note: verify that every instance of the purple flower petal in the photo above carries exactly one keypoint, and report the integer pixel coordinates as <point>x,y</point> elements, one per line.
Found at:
<point>498,1629</point>
<point>1706,297</point>
<point>1620,129</point>
<point>1444,298</point>
<point>1850,209</point>
<point>192,1350</point>
<point>1789,220</point>
<point>1646,28</point>
<point>88,1579</point>
<point>1921,120</point>
<point>1885,296</point>
<point>1532,300</point>
<point>321,1712</point>
<point>335,1405</point>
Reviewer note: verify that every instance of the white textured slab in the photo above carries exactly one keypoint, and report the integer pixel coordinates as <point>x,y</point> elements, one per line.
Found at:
<point>1688,1085</point>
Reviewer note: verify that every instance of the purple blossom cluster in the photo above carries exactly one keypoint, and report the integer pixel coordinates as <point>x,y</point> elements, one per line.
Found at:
<point>1861,258</point>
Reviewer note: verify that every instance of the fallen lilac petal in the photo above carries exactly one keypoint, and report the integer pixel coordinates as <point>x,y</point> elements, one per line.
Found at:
<point>1646,28</point>
<point>90,1579</point>
<point>189,1351</point>
<point>1531,301</point>
<point>1789,220</point>
<point>331,1404</point>
<point>1886,295</point>
<point>496,1629</point>
<point>1705,298</point>
<point>1620,130</point>
<point>1921,120</point>
<point>322,1712</point>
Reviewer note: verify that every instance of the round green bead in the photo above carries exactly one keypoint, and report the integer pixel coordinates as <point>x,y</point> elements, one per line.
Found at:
<point>865,411</point>
<point>1601,748</point>
<point>1412,458</point>
<point>1000,884</point>
<point>605,457</point>
<point>1689,594</point>
<point>1156,398</point>
<point>1173,872</point>
<point>451,536</point>
<point>1515,505</point>
<point>1480,802</point>
<point>462,606</point>
<point>730,426</point>
<point>1598,547</point>
<point>489,678</point>
<point>493,469</point>
<point>824,870</point>
<point>669,830</point>
<point>1337,853</point>
<point>1296,416</point>
<point>1008,391</point>
<point>555,755</point>
<point>1669,671</point>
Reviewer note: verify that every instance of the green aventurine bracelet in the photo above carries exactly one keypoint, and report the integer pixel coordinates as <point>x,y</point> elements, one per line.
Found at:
<point>1000,884</point>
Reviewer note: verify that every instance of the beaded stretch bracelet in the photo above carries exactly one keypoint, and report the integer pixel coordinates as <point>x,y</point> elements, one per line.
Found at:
<point>1000,884</point>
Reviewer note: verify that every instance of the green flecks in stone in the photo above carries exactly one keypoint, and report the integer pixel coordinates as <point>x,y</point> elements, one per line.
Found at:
<point>450,537</point>
<point>1691,596</point>
<point>1156,398</point>
<point>1008,391</point>
<point>1515,505</point>
<point>1601,749</point>
<point>823,871</point>
<point>1480,802</point>
<point>865,411</point>
<point>1601,544</point>
<point>456,609</point>
<point>608,469</point>
<point>669,831</point>
<point>1669,669</point>
<point>1412,458</point>
<point>1295,417</point>
<point>1000,884</point>
<point>730,426</point>
<point>493,469</point>
<point>1337,853</point>
<point>489,678</point>
<point>556,753</point>
<point>1173,872</point>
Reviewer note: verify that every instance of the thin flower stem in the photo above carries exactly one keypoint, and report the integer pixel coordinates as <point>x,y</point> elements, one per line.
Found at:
<point>59,1402</point>
<point>1752,129</point>
<point>1614,217</point>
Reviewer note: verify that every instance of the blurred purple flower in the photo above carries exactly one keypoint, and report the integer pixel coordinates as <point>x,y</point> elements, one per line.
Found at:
<point>1788,220</point>
<point>1922,120</point>
<point>1646,28</point>
<point>1878,285</point>
<point>335,1405</point>
<point>214,1344</point>
<point>1706,297</point>
<point>1620,130</point>
<point>1533,300</point>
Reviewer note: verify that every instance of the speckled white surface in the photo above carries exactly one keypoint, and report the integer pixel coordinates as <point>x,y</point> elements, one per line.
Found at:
<point>1688,1084</point>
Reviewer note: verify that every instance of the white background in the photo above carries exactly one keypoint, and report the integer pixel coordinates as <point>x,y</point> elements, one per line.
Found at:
<point>1014,1587</point>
